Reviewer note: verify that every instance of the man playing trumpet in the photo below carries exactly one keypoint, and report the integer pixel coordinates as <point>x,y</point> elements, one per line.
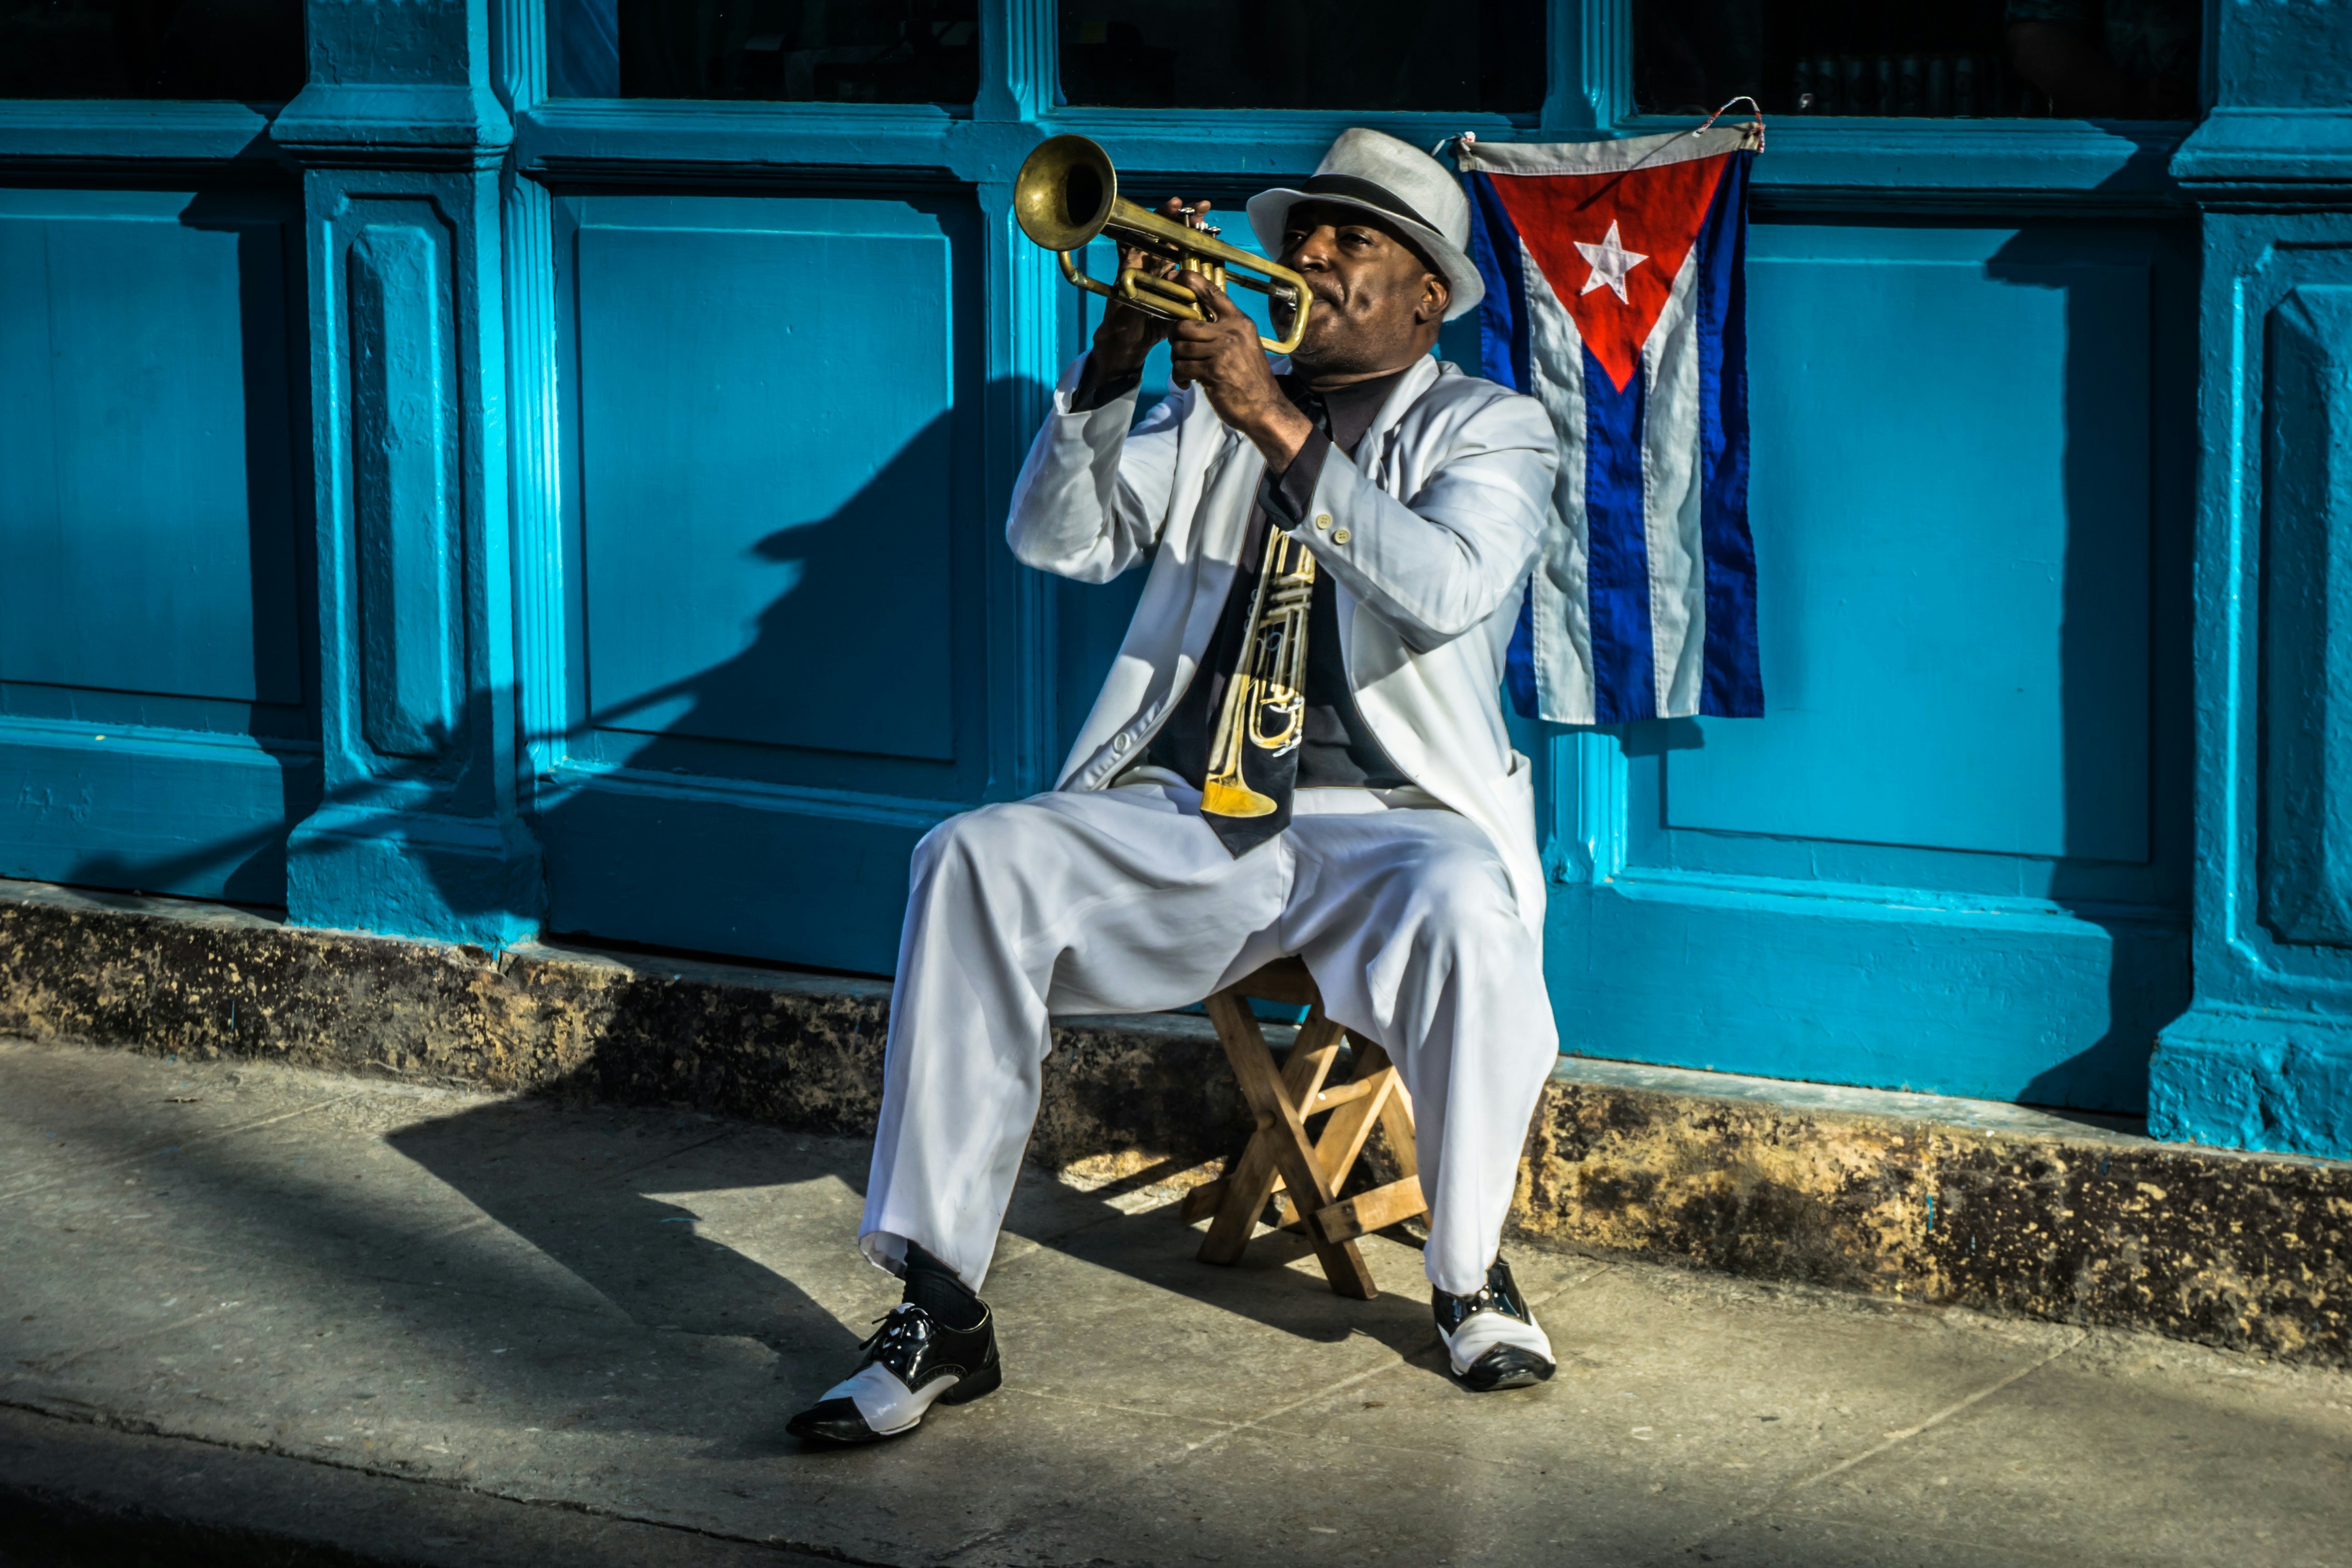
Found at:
<point>1337,550</point>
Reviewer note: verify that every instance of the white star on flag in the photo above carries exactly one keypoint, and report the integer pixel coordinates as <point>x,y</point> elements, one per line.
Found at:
<point>1610,261</point>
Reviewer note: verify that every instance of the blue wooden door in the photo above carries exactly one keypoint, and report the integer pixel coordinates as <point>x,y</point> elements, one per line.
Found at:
<point>1953,857</point>
<point>774,560</point>
<point>157,705</point>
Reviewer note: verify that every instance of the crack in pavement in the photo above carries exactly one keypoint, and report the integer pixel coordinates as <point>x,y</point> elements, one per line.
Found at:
<point>115,1162</point>
<point>1862,1527</point>
<point>50,1365</point>
<point>1891,1440</point>
<point>138,1428</point>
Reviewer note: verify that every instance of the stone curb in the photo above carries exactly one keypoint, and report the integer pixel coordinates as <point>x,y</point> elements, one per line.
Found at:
<point>1942,1202</point>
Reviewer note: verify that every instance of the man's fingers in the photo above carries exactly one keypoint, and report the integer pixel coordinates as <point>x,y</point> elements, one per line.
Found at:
<point>1209,294</point>
<point>1199,340</point>
<point>1195,358</point>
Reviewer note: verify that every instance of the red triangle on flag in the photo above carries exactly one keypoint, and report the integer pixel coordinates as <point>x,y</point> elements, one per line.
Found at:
<point>1610,244</point>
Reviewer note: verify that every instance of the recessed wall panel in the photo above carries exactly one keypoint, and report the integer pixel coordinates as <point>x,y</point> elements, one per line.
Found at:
<point>2307,603</point>
<point>1951,506</point>
<point>404,495</point>
<point>767,469</point>
<point>146,503</point>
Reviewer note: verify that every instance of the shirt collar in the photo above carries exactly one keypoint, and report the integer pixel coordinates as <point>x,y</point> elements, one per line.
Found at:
<point>1351,408</point>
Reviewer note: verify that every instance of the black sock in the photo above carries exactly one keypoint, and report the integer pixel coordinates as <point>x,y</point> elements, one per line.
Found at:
<point>933,1286</point>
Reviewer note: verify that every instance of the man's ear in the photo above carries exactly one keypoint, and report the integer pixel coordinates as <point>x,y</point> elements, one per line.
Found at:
<point>1435,295</point>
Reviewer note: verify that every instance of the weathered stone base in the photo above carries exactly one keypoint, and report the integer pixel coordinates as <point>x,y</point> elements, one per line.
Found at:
<point>1968,1203</point>
<point>776,1046</point>
<point>1935,1200</point>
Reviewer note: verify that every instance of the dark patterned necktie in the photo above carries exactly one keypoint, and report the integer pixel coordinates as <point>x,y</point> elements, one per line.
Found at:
<point>1244,777</point>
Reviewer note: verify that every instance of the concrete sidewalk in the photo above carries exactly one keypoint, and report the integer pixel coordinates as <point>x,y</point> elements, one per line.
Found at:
<point>424,1326</point>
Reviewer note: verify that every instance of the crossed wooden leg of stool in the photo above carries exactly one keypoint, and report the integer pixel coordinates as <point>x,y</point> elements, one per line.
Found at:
<point>1283,1158</point>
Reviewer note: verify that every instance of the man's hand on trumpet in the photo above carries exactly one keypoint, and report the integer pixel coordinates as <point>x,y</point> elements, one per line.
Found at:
<point>1126,334</point>
<point>1223,357</point>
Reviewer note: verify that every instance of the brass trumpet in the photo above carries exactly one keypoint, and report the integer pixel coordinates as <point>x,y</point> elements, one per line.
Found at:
<point>1067,192</point>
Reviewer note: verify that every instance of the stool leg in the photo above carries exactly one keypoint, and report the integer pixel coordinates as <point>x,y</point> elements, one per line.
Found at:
<point>1349,1128</point>
<point>1244,1189</point>
<point>1396,1121</point>
<point>1293,1153</point>
<point>1311,1060</point>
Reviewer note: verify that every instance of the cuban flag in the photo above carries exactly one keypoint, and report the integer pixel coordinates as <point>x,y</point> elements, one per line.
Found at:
<point>1615,295</point>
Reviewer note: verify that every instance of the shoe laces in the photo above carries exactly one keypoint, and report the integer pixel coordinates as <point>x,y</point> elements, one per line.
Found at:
<point>904,1327</point>
<point>1488,1297</point>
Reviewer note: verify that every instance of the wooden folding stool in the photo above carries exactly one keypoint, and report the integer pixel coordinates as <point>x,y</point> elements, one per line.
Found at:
<point>1283,1158</point>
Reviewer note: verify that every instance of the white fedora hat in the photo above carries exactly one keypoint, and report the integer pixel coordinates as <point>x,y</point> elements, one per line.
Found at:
<point>1401,183</point>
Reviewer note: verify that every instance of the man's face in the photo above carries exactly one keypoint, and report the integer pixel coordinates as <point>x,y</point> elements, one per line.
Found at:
<point>1377,303</point>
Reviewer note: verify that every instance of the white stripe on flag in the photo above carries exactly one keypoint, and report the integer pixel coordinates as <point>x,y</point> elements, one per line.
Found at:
<point>1562,610</point>
<point>1670,496</point>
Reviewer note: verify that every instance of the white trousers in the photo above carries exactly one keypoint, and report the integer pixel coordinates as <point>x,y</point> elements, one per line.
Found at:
<point>1123,901</point>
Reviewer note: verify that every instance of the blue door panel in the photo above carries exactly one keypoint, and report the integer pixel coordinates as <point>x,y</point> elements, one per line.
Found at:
<point>146,503</point>
<point>1918,587</point>
<point>157,726</point>
<point>746,875</point>
<point>760,455</point>
<point>777,649</point>
<point>2048,1008</point>
<point>197,816</point>
<point>1952,856</point>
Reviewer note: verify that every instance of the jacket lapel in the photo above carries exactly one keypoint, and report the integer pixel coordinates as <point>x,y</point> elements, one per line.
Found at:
<point>1381,455</point>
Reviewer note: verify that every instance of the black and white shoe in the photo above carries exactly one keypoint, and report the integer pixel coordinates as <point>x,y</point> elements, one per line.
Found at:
<point>912,1363</point>
<point>1491,1336</point>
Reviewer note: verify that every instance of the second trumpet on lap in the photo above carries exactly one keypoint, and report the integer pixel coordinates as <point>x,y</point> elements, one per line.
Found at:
<point>1067,192</point>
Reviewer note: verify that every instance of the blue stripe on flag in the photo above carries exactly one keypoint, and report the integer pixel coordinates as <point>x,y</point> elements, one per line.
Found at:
<point>1732,684</point>
<point>1503,352</point>
<point>1617,562</point>
<point>1502,313</point>
<point>1519,662</point>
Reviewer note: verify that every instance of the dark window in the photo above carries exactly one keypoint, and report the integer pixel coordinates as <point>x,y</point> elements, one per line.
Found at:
<point>245,49</point>
<point>828,51</point>
<point>1476,54</point>
<point>1937,58</point>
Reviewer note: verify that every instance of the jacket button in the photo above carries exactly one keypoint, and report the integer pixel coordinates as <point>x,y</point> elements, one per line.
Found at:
<point>1322,521</point>
<point>1118,743</point>
<point>1340,536</point>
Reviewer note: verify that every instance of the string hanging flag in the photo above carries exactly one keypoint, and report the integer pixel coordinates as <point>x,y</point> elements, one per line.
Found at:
<point>1616,296</point>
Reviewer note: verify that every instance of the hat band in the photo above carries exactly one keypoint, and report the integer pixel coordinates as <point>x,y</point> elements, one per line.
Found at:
<point>1370,193</point>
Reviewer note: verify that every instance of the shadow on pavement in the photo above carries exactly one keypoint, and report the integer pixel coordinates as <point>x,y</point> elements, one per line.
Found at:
<point>638,1227</point>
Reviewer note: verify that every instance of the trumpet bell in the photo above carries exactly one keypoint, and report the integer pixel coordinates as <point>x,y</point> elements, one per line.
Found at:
<point>1221,797</point>
<point>1065,193</point>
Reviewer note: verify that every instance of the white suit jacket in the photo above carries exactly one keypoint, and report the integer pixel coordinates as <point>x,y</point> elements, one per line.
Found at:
<point>1441,520</point>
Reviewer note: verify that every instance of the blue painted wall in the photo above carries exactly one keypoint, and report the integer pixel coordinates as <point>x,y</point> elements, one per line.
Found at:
<point>449,510</point>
